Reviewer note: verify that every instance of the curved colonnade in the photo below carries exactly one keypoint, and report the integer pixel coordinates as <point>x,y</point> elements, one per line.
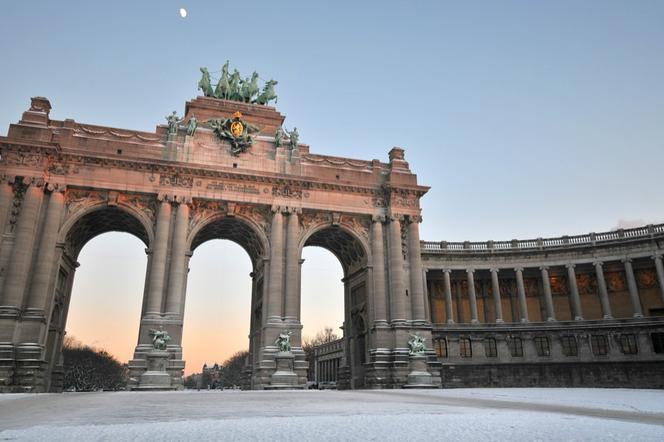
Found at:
<point>574,310</point>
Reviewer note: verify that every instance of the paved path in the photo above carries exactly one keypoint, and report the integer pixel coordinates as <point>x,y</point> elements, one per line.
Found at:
<point>131,414</point>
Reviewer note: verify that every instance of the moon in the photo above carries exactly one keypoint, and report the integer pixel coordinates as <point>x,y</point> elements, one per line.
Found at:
<point>183,12</point>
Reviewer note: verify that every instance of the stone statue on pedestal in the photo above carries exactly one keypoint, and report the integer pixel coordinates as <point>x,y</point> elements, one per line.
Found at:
<point>283,341</point>
<point>160,339</point>
<point>278,137</point>
<point>416,344</point>
<point>173,121</point>
<point>294,138</point>
<point>191,127</point>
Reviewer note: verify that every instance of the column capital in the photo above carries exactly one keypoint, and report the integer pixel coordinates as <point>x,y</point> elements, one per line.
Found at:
<point>570,266</point>
<point>656,255</point>
<point>395,217</point>
<point>410,219</point>
<point>446,270</point>
<point>378,218</point>
<point>518,269</point>
<point>494,270</point>
<point>470,271</point>
<point>626,260</point>
<point>544,268</point>
<point>598,263</point>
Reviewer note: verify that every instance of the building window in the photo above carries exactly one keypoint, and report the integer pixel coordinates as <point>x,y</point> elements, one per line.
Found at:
<point>441,347</point>
<point>599,345</point>
<point>490,350</point>
<point>542,346</point>
<point>628,344</point>
<point>569,346</point>
<point>465,349</point>
<point>516,347</point>
<point>657,342</point>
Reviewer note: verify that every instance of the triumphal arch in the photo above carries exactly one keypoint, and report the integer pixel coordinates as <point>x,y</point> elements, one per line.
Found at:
<point>227,169</point>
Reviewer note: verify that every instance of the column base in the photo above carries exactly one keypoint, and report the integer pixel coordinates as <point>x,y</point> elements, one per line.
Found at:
<point>284,378</point>
<point>419,376</point>
<point>156,377</point>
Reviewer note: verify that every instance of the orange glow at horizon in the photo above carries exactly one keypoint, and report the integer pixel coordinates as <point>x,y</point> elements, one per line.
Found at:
<point>108,288</point>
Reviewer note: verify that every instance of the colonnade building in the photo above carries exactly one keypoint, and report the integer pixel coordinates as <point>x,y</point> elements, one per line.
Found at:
<point>584,310</point>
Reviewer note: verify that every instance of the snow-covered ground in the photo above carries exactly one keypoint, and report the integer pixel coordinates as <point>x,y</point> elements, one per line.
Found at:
<point>395,415</point>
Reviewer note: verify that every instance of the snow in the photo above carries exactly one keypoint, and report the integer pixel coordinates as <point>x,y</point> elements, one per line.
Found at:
<point>403,415</point>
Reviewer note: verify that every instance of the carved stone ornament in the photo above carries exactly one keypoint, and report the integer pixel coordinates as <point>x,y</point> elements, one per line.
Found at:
<point>145,204</point>
<point>76,199</point>
<point>203,209</point>
<point>236,131</point>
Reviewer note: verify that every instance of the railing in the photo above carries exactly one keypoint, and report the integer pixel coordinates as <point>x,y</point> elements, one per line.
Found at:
<point>543,243</point>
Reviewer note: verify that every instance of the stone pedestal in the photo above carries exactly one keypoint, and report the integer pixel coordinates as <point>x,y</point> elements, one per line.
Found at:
<point>284,377</point>
<point>419,376</point>
<point>156,377</point>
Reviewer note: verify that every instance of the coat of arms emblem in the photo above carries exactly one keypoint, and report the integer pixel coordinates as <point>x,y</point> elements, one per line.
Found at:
<point>236,131</point>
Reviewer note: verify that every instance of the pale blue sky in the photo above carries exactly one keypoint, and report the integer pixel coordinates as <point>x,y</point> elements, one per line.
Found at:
<point>527,118</point>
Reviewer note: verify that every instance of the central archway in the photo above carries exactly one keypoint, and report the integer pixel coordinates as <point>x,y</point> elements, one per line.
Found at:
<point>249,235</point>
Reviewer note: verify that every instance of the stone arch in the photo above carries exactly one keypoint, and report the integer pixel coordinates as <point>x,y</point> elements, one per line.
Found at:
<point>345,241</point>
<point>81,225</point>
<point>341,240</point>
<point>237,228</point>
<point>87,223</point>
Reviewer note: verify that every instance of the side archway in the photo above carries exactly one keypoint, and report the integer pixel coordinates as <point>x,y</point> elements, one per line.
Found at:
<point>353,253</point>
<point>79,227</point>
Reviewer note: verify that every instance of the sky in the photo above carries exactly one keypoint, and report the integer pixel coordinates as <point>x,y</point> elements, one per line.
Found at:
<point>527,119</point>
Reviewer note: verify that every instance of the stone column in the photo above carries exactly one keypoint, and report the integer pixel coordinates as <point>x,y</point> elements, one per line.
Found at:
<point>575,301</point>
<point>178,270</point>
<point>660,273</point>
<point>521,293</point>
<point>472,299</point>
<point>397,279</point>
<point>633,289</point>
<point>415,260</point>
<point>603,292</point>
<point>378,264</point>
<point>43,272</point>
<point>158,261</point>
<point>495,288</point>
<point>6,197</point>
<point>275,292</point>
<point>548,298</point>
<point>19,265</point>
<point>292,304</point>
<point>447,287</point>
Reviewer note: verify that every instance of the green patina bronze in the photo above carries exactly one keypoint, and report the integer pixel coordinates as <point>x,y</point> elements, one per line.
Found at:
<point>233,87</point>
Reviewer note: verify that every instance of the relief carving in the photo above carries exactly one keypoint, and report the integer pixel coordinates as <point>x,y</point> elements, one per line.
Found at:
<point>358,224</point>
<point>311,219</point>
<point>19,192</point>
<point>176,180</point>
<point>289,192</point>
<point>28,159</point>
<point>142,203</point>
<point>76,199</point>
<point>258,214</point>
<point>203,209</point>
